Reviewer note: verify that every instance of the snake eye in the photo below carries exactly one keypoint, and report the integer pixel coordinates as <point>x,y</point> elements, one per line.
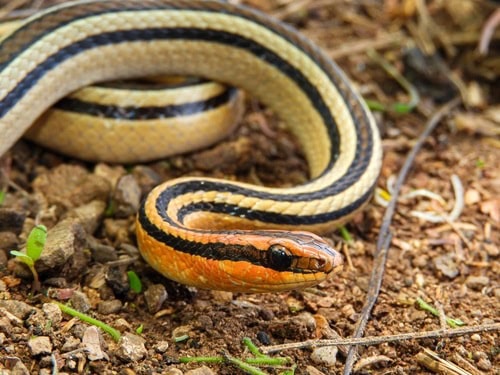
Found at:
<point>279,257</point>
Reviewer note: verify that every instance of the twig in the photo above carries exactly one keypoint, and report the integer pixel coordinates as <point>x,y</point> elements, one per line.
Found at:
<point>376,340</point>
<point>385,234</point>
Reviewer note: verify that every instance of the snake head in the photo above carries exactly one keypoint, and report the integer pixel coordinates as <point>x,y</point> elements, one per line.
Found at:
<point>302,252</point>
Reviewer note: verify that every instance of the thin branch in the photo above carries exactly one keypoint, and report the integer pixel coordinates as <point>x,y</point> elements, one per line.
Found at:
<point>376,340</point>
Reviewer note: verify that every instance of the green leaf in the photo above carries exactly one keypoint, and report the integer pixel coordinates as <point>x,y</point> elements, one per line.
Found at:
<point>3,194</point>
<point>23,258</point>
<point>36,242</point>
<point>140,329</point>
<point>134,282</point>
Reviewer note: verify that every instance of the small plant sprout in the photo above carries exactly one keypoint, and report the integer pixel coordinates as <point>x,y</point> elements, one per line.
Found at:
<point>134,282</point>
<point>34,247</point>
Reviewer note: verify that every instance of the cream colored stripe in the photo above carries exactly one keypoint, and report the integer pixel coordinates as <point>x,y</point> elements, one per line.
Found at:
<point>149,98</point>
<point>95,25</point>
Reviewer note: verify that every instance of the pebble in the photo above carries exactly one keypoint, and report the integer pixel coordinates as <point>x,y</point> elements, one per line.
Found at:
<point>109,307</point>
<point>484,364</point>
<point>204,370</point>
<point>40,345</point>
<point>111,173</point>
<point>2,338</point>
<point>5,325</point>
<point>71,343</point>
<point>91,341</point>
<point>19,368</point>
<point>38,324</point>
<point>161,346</point>
<point>477,282</point>
<point>88,215</point>
<point>127,196</point>
<point>65,239</point>
<point>53,314</point>
<point>326,355</point>
<point>132,348</point>
<point>155,295</point>
<point>19,309</point>
<point>80,301</point>
<point>446,265</point>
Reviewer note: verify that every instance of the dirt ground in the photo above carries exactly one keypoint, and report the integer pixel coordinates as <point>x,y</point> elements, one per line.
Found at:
<point>442,251</point>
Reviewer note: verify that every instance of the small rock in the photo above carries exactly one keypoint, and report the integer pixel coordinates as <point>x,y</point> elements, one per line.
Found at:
<point>2,338</point>
<point>44,371</point>
<point>161,346</point>
<point>63,241</point>
<point>132,348</point>
<point>204,370</point>
<point>109,307</point>
<point>5,325</point>
<point>111,173</point>
<point>446,265</point>
<point>477,282</point>
<point>40,345</point>
<point>155,295</point>
<point>53,314</point>
<point>92,343</point>
<point>38,324</point>
<point>19,309</point>
<point>484,364</point>
<point>80,301</point>
<point>263,338</point>
<point>476,337</point>
<point>127,196</point>
<point>11,220</point>
<point>88,215</point>
<point>19,368</point>
<point>326,355</point>
<point>71,343</point>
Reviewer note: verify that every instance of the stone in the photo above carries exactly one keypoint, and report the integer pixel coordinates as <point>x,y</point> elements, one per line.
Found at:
<point>132,348</point>
<point>40,345</point>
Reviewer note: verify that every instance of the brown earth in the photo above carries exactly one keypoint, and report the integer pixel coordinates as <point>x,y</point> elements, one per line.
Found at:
<point>451,264</point>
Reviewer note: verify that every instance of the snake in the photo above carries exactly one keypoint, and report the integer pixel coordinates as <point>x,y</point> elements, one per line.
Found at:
<point>206,232</point>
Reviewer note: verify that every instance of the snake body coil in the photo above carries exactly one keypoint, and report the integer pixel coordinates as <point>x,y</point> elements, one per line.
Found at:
<point>197,231</point>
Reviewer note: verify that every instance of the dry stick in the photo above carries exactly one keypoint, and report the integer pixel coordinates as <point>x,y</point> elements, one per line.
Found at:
<point>385,235</point>
<point>376,340</point>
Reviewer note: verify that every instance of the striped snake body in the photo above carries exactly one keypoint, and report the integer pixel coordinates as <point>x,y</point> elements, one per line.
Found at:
<point>199,231</point>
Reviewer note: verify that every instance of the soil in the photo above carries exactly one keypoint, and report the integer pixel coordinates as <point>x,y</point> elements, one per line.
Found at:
<point>452,264</point>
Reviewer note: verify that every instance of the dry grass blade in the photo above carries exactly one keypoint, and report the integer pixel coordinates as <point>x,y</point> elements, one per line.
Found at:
<point>433,362</point>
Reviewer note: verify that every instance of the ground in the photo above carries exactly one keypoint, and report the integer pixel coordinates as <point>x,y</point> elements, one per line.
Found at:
<point>451,264</point>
